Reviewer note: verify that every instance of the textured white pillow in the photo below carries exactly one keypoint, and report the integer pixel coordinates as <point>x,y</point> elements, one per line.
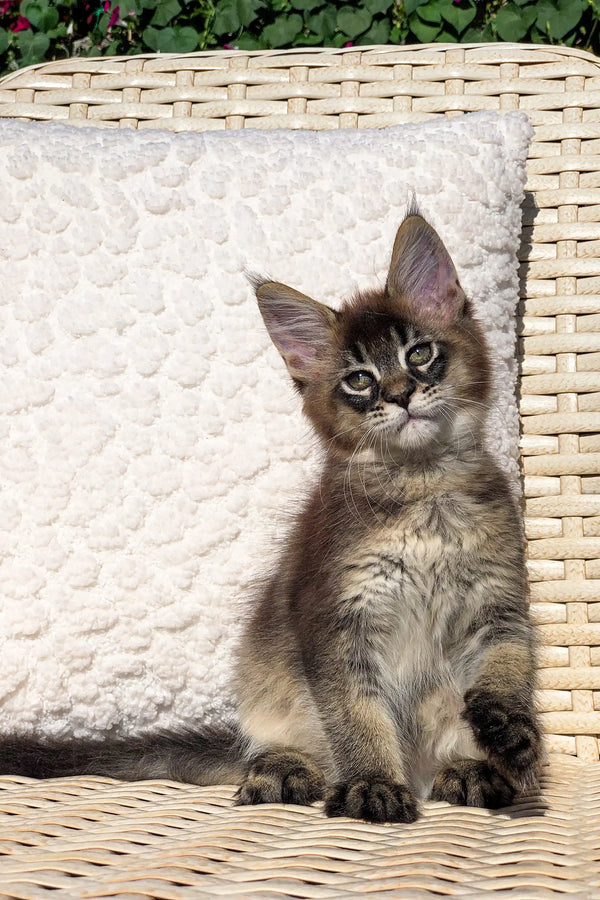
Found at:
<point>152,448</point>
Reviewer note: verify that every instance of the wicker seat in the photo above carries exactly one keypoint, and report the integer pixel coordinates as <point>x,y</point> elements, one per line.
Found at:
<point>90,837</point>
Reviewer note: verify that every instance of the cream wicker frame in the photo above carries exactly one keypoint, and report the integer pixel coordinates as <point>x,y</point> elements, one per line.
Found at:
<point>559,344</point>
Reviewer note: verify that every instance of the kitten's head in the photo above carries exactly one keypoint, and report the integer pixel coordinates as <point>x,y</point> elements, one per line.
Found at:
<point>401,371</point>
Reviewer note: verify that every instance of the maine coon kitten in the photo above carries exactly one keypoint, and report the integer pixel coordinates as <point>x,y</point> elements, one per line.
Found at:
<point>391,655</point>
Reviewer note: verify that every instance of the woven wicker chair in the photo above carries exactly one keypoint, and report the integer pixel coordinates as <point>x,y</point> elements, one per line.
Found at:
<point>91,837</point>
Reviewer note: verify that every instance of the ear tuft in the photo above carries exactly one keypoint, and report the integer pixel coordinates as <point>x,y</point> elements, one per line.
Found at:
<point>302,329</point>
<point>256,280</point>
<point>422,273</point>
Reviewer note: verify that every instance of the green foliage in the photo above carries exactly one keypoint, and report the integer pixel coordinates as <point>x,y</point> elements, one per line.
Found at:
<point>33,31</point>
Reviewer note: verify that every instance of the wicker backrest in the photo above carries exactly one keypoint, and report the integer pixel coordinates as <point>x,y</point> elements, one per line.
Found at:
<point>560,325</point>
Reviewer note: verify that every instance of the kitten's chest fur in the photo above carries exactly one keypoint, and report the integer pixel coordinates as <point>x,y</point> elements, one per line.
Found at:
<point>412,577</point>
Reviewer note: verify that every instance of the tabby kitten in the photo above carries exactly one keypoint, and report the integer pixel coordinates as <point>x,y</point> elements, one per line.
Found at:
<point>391,656</point>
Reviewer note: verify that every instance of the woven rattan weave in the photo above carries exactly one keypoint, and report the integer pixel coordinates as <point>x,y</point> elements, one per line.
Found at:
<point>93,838</point>
<point>89,838</point>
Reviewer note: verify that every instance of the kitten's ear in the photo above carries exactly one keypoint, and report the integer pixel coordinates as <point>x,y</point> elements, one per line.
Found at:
<point>301,329</point>
<point>422,273</point>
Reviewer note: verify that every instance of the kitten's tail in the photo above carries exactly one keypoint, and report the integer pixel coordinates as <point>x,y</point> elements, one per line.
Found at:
<point>209,755</point>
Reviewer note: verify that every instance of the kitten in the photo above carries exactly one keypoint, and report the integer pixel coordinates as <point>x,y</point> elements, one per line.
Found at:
<point>391,655</point>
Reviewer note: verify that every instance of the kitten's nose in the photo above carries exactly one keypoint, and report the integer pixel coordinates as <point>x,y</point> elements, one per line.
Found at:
<point>401,398</point>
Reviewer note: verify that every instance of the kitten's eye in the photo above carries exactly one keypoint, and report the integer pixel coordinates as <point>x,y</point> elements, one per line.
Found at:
<point>359,381</point>
<point>420,354</point>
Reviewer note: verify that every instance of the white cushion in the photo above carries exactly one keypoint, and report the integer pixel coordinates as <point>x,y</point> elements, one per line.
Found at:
<point>152,449</point>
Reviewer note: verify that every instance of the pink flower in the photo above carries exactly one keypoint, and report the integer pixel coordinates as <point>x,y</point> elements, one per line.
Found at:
<point>114,17</point>
<point>106,5</point>
<point>349,44</point>
<point>228,47</point>
<point>22,24</point>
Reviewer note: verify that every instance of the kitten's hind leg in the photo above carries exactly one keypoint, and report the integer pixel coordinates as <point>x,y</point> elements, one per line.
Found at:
<point>282,775</point>
<point>472,782</point>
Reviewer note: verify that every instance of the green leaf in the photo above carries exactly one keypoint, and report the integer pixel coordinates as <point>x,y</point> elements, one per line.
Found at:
<point>353,21</point>
<point>185,39</point>
<point>101,26</point>
<point>566,16</point>
<point>423,31</point>
<point>283,30</point>
<point>131,8</point>
<point>165,12</point>
<point>4,40</point>
<point>544,8</point>
<point>227,19</point>
<point>306,5</point>
<point>411,5</point>
<point>49,20</point>
<point>430,12</point>
<point>247,42</point>
<point>512,23</point>
<point>528,16</point>
<point>377,6</point>
<point>59,32</point>
<point>399,34</point>
<point>26,7</point>
<point>150,37</point>
<point>307,40</point>
<point>166,38</point>
<point>247,11</point>
<point>323,24</point>
<point>33,47</point>
<point>457,16</point>
<point>378,33</point>
<point>478,35</point>
<point>339,39</point>
<point>41,16</point>
<point>176,39</point>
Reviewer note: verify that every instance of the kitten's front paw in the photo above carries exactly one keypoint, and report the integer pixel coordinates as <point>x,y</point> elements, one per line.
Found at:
<point>472,782</point>
<point>373,799</point>
<point>510,736</point>
<point>281,776</point>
